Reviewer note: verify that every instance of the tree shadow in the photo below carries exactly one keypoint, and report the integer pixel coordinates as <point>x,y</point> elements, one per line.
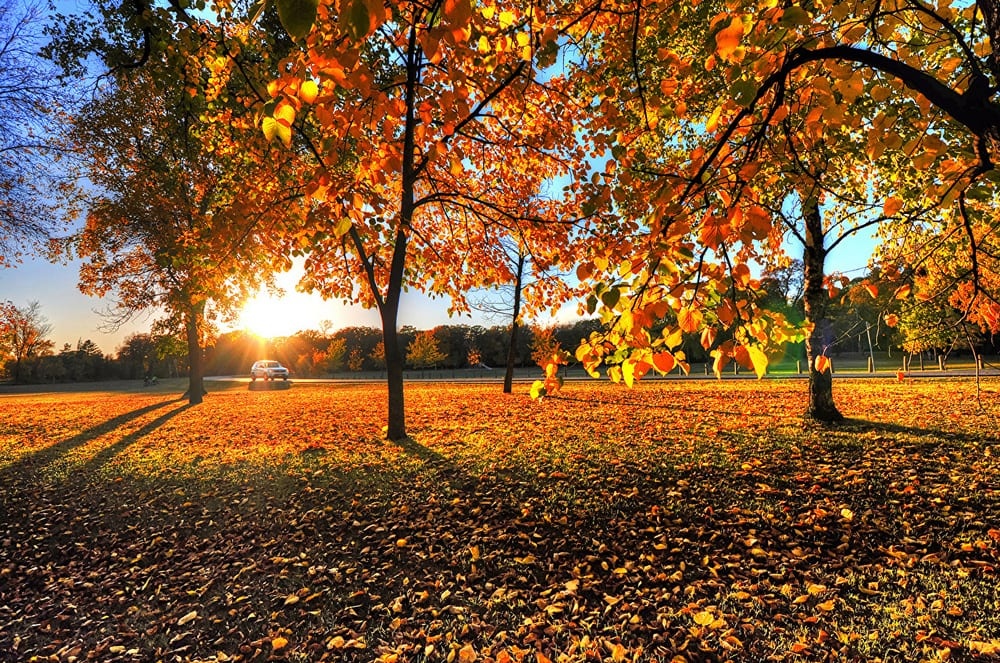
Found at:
<point>36,461</point>
<point>453,474</point>
<point>109,452</point>
<point>866,425</point>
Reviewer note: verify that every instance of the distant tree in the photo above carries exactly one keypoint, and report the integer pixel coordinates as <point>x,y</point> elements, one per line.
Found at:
<point>544,344</point>
<point>136,355</point>
<point>23,337</point>
<point>423,351</point>
<point>335,356</point>
<point>356,360</point>
<point>83,363</point>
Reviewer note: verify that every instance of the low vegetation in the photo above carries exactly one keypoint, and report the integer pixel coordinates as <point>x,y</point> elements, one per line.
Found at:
<point>676,521</point>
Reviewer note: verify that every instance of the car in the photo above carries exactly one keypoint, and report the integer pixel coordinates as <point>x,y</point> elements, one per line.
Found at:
<point>268,369</point>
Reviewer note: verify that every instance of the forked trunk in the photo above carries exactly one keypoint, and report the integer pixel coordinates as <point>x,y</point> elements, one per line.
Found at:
<point>821,405</point>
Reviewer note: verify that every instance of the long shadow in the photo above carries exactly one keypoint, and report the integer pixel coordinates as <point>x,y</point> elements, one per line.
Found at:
<point>888,427</point>
<point>109,452</point>
<point>35,461</point>
<point>847,424</point>
<point>452,473</point>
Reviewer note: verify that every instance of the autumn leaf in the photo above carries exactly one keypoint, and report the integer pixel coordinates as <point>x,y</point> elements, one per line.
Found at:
<point>297,16</point>
<point>892,206</point>
<point>308,91</point>
<point>689,319</point>
<point>822,364</point>
<point>759,361</point>
<point>664,362</point>
<point>728,39</point>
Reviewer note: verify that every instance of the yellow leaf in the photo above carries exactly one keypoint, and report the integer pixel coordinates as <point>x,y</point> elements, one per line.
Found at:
<point>291,599</point>
<point>846,514</point>
<point>704,618</point>
<point>902,292</point>
<point>284,114</point>
<point>270,128</point>
<point>759,361</point>
<point>617,652</point>
<point>506,19</point>
<point>713,120</point>
<point>814,589</point>
<point>308,91</point>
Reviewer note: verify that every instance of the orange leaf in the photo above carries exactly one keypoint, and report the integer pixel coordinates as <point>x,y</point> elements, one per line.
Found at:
<point>689,319</point>
<point>872,290</point>
<point>467,654</point>
<point>902,292</point>
<point>892,319</point>
<point>707,337</point>
<point>728,39</point>
<point>822,364</point>
<point>664,362</point>
<point>892,206</point>
<point>279,643</point>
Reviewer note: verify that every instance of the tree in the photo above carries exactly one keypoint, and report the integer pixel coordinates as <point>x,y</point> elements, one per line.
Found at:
<point>23,332</point>
<point>750,89</point>
<point>171,224</point>
<point>432,125</point>
<point>423,351</point>
<point>30,108</point>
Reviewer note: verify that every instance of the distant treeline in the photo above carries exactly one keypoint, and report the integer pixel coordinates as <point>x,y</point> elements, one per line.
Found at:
<point>357,349</point>
<point>307,354</point>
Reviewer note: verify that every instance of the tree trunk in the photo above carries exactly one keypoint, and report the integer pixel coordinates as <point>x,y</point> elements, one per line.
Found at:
<point>508,378</point>
<point>821,405</point>
<point>196,368</point>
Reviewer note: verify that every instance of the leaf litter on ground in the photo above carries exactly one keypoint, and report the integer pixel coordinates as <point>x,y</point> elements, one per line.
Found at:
<point>678,521</point>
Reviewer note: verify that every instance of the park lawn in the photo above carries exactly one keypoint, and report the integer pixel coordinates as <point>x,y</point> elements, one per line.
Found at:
<point>695,520</point>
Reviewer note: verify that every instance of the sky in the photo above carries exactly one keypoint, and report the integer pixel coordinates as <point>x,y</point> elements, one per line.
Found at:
<point>76,317</point>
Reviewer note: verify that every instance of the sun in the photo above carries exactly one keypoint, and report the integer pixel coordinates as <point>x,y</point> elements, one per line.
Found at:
<point>268,316</point>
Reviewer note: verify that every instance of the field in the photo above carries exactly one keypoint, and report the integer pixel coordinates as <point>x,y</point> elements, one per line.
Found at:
<point>677,521</point>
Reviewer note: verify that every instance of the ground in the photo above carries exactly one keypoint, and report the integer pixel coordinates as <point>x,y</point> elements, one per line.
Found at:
<point>676,521</point>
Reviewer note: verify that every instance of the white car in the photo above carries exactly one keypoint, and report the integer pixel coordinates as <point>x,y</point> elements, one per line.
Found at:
<point>268,369</point>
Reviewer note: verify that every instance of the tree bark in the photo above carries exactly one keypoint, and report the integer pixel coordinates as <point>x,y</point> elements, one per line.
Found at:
<point>508,378</point>
<point>821,404</point>
<point>196,367</point>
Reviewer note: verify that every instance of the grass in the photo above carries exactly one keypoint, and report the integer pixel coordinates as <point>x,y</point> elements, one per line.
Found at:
<point>692,521</point>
